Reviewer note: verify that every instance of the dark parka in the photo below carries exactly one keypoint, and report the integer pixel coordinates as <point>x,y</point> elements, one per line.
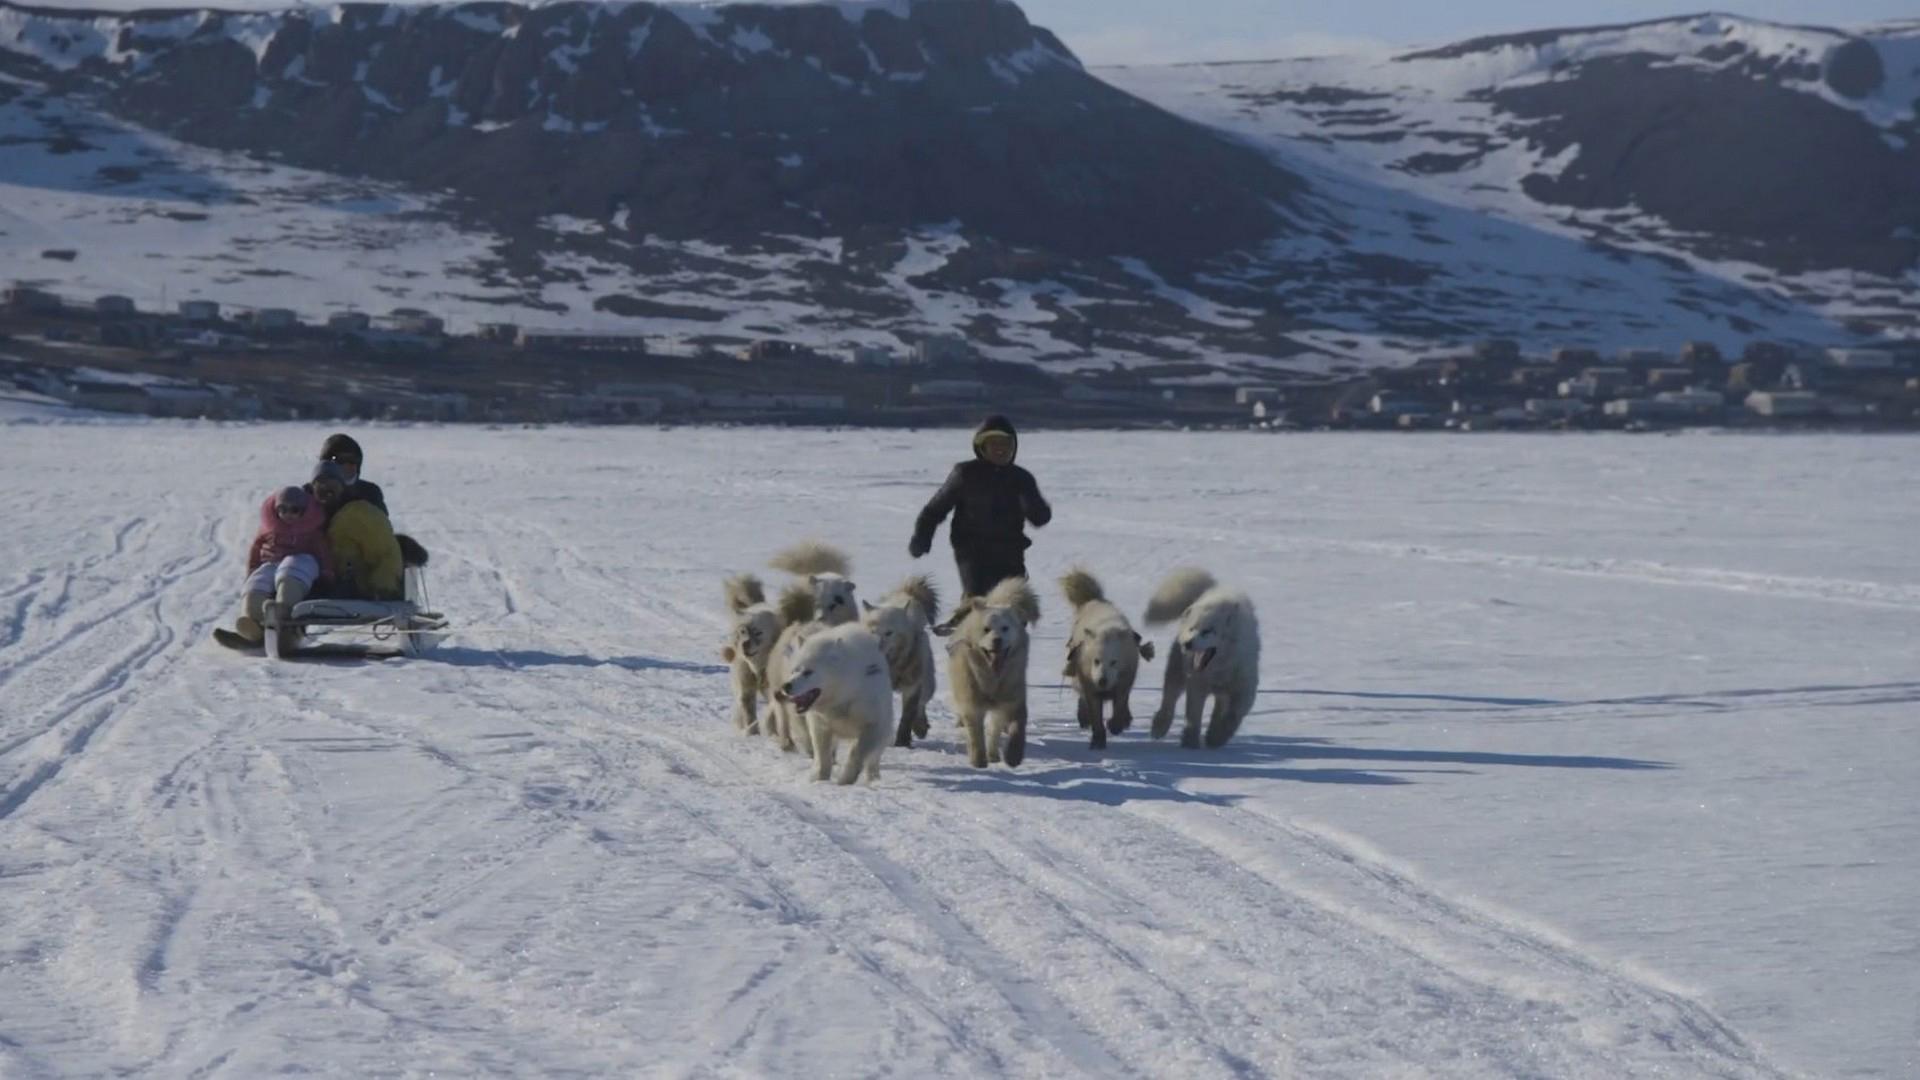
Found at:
<point>991,507</point>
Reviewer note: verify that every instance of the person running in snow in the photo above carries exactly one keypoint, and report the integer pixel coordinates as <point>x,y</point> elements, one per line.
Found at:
<point>366,557</point>
<point>287,557</point>
<point>341,449</point>
<point>991,500</point>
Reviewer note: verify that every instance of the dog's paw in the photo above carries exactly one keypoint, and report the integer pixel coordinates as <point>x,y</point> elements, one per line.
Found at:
<point>1190,738</point>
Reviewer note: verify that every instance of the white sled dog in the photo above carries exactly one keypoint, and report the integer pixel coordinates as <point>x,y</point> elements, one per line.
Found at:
<point>801,622</point>
<point>900,621</point>
<point>756,629</point>
<point>1103,656</point>
<point>1215,652</point>
<point>826,569</point>
<point>987,664</point>
<point>840,685</point>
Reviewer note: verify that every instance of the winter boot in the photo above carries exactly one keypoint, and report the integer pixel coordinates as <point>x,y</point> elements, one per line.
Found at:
<point>249,624</point>
<point>289,592</point>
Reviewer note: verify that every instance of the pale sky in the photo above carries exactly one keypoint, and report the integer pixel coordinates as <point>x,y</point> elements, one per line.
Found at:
<point>1150,31</point>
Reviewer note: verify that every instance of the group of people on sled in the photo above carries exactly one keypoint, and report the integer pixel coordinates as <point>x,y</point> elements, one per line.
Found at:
<point>328,537</point>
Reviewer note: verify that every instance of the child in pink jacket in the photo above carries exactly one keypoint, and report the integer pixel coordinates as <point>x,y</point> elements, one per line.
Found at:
<point>285,559</point>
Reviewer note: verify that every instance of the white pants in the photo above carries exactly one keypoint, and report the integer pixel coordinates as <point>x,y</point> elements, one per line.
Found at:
<point>267,577</point>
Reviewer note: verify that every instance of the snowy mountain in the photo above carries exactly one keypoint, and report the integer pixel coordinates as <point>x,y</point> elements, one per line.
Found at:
<point>1772,161</point>
<point>881,172</point>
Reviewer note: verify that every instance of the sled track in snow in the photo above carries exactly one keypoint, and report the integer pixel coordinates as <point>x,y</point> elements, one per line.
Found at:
<point>93,703</point>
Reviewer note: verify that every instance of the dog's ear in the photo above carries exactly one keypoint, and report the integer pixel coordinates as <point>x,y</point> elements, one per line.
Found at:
<point>1146,647</point>
<point>866,607</point>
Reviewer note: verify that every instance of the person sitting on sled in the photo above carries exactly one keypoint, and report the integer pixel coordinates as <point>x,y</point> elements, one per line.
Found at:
<point>366,557</point>
<point>287,557</point>
<point>341,449</point>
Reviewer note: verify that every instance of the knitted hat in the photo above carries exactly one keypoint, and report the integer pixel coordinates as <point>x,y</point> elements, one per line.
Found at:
<point>327,470</point>
<point>290,498</point>
<point>341,445</point>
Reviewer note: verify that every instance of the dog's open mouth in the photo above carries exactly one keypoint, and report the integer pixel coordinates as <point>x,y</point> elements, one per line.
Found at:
<point>996,658</point>
<point>805,701</point>
<point>1202,659</point>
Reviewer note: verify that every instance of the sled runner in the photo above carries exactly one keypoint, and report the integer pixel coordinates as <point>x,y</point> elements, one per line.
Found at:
<point>408,626</point>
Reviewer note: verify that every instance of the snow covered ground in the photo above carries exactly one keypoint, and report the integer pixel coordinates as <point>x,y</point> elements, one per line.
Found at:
<point>1575,757</point>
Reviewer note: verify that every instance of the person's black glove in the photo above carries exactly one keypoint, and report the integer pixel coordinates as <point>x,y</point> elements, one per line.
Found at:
<point>919,546</point>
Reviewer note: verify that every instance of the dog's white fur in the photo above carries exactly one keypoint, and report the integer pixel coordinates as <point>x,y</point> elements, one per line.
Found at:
<point>756,627</point>
<point>1215,653</point>
<point>797,625</point>
<point>840,685</point>
<point>987,665</point>
<point>1103,656</point>
<point>900,621</point>
<point>826,569</point>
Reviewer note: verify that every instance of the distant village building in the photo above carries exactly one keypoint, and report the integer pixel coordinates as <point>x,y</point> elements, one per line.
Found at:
<point>1784,403</point>
<point>114,305</point>
<point>199,310</point>
<point>1875,360</point>
<point>273,319</point>
<point>1252,395</point>
<point>774,402</point>
<point>660,391</point>
<point>1387,403</point>
<point>581,341</point>
<point>416,322</point>
<point>878,356</point>
<point>349,321</point>
<point>29,300</point>
<point>947,349</point>
<point>1673,406</point>
<point>776,349</point>
<point>1670,378</point>
<point>1557,408</point>
<point>1642,358</point>
<point>953,389</point>
<point>394,341</point>
<point>1568,359</point>
<point>106,396</point>
<point>1702,354</point>
<point>1109,395</point>
<point>504,332</point>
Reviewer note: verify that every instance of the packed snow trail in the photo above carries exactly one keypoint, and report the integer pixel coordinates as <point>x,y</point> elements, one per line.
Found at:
<point>1450,840</point>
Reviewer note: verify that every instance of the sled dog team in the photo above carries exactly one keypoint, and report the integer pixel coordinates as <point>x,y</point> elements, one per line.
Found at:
<point>814,664</point>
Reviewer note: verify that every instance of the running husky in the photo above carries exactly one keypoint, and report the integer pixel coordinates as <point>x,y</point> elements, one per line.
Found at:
<point>987,665</point>
<point>900,621</point>
<point>840,685</point>
<point>826,569</point>
<point>1103,656</point>
<point>756,628</point>
<point>1215,652</point>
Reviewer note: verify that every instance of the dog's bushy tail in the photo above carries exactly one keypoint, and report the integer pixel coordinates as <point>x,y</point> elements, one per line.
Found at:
<point>1015,593</point>
<point>1177,593</point>
<point>795,605</point>
<point>743,591</point>
<point>1081,588</point>
<point>812,557</point>
<point>919,589</point>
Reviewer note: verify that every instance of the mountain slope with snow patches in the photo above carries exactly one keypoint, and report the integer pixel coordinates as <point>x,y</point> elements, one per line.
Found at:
<point>882,173</point>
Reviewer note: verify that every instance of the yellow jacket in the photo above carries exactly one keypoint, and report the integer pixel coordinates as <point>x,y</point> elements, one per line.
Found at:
<point>366,558</point>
